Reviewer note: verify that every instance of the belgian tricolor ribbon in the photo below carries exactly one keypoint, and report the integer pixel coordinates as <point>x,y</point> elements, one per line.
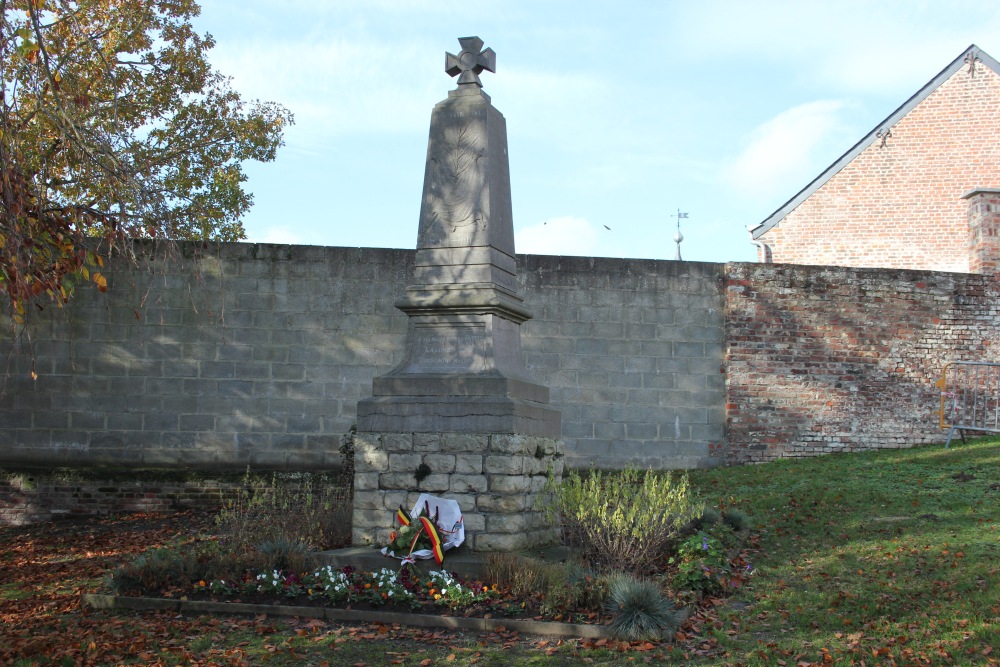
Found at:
<point>402,516</point>
<point>435,539</point>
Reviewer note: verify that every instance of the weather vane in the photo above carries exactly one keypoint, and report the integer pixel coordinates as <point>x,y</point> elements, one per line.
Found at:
<point>678,237</point>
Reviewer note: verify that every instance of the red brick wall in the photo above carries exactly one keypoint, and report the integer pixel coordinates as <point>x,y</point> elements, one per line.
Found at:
<point>984,231</point>
<point>26,499</point>
<point>900,205</point>
<point>30,495</point>
<point>828,359</point>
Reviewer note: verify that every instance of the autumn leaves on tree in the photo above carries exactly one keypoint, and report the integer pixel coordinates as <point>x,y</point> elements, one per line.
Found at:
<point>114,126</point>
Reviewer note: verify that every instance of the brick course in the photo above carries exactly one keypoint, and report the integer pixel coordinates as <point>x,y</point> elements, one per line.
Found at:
<point>30,494</point>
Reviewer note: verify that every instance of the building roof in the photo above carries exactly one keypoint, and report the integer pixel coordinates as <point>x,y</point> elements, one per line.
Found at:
<point>973,54</point>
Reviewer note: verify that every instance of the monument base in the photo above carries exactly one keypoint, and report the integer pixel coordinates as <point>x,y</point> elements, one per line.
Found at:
<point>494,477</point>
<point>467,564</point>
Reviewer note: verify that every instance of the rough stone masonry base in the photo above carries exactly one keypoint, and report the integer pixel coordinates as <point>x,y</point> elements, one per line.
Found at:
<point>494,477</point>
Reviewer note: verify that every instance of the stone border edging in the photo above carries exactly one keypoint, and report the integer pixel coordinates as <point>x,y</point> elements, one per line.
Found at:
<point>548,628</point>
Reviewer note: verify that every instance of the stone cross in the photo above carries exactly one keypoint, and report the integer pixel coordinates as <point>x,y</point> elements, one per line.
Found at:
<point>470,62</point>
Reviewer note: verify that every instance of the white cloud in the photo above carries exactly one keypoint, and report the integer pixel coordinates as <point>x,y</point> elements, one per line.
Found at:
<point>560,236</point>
<point>782,154</point>
<point>280,234</point>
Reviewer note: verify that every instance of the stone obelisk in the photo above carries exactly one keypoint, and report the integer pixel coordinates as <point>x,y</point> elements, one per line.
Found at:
<point>461,407</point>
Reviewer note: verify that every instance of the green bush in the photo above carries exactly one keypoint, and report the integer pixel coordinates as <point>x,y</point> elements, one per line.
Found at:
<point>622,521</point>
<point>702,565</point>
<point>639,611</point>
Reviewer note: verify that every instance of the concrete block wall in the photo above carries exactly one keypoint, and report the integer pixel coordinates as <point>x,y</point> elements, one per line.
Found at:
<point>828,359</point>
<point>225,355</point>
<point>632,351</point>
<point>229,355</point>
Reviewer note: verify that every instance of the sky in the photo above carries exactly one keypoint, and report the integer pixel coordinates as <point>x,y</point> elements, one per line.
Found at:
<point>619,114</point>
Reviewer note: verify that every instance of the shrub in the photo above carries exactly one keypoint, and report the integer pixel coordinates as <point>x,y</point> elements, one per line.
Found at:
<point>149,571</point>
<point>585,588</point>
<point>521,575</point>
<point>638,609</point>
<point>174,566</point>
<point>312,509</point>
<point>622,521</point>
<point>702,565</point>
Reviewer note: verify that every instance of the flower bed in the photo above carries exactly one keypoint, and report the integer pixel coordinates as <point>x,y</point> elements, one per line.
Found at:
<point>694,554</point>
<point>437,592</point>
<point>346,586</point>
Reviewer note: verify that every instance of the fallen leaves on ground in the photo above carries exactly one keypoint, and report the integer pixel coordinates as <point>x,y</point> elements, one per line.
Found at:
<point>44,569</point>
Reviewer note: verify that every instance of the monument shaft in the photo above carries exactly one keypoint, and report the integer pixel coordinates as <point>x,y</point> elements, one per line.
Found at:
<point>461,406</point>
<point>463,371</point>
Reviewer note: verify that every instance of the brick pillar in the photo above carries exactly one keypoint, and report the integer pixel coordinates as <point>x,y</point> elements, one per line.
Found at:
<point>984,230</point>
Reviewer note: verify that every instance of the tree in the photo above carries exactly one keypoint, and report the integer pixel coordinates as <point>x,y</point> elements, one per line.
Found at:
<point>114,126</point>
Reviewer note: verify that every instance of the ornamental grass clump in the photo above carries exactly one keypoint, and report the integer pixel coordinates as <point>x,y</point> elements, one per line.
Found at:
<point>149,571</point>
<point>563,587</point>
<point>639,611</point>
<point>623,521</point>
<point>175,566</point>
<point>284,554</point>
<point>736,519</point>
<point>710,517</point>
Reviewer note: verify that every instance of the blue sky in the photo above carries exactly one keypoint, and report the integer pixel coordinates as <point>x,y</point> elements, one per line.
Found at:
<point>618,113</point>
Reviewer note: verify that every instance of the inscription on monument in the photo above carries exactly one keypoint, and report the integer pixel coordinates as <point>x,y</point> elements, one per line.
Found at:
<point>450,348</point>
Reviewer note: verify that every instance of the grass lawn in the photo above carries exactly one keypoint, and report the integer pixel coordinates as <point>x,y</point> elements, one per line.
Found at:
<point>881,558</point>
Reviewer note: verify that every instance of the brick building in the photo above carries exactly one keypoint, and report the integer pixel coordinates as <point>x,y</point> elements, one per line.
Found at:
<point>920,191</point>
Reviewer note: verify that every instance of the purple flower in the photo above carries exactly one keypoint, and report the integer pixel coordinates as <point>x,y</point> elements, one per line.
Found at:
<point>704,543</point>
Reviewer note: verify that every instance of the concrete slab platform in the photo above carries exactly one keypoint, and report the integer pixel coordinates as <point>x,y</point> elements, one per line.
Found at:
<point>461,561</point>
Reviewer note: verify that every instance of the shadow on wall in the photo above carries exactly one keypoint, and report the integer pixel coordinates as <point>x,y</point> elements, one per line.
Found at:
<point>241,354</point>
<point>226,354</point>
<point>826,359</point>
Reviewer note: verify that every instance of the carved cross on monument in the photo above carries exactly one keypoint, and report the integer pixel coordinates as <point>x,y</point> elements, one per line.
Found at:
<point>471,61</point>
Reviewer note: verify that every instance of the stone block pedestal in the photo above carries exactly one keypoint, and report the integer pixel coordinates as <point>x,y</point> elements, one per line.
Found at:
<point>494,477</point>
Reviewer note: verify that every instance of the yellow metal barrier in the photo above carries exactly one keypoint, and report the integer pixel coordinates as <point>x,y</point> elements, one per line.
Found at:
<point>970,397</point>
